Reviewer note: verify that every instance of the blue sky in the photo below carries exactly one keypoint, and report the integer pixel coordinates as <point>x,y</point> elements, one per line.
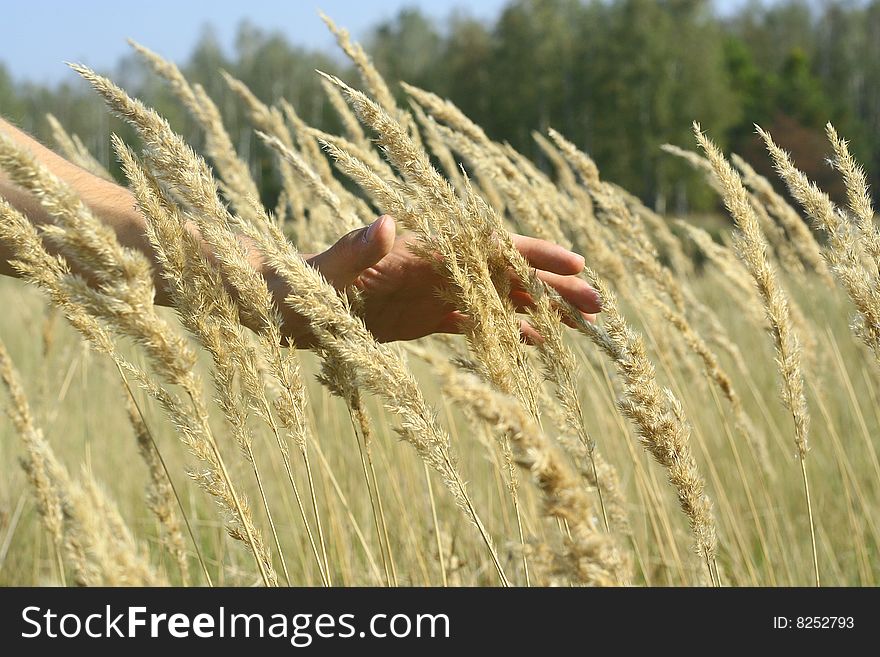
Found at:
<point>39,35</point>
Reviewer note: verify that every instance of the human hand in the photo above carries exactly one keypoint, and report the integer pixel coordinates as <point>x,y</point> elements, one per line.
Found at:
<point>400,288</point>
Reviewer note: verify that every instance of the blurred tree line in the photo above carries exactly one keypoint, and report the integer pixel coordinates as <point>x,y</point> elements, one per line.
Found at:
<point>618,77</point>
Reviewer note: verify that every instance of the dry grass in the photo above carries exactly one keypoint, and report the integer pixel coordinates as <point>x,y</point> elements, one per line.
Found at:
<point>536,450</point>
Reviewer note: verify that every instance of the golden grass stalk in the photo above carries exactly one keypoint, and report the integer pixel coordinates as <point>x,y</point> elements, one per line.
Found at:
<point>801,236</point>
<point>445,112</point>
<point>96,527</point>
<point>752,249</point>
<point>782,245</point>
<point>238,184</point>
<point>565,177</point>
<point>39,463</point>
<point>339,380</point>
<point>522,200</point>
<point>857,193</point>
<point>633,240</point>
<point>551,205</point>
<point>715,373</point>
<point>124,282</point>
<point>372,78</point>
<point>72,148</point>
<point>663,237</point>
<point>453,238</point>
<point>350,125</point>
<point>271,121</point>
<point>208,311</point>
<point>587,234</point>
<point>189,175</point>
<point>346,219</point>
<point>846,253</point>
<point>697,161</point>
<point>445,362</point>
<point>591,557</point>
<point>629,216</point>
<point>734,276</point>
<point>367,155</point>
<point>317,161</point>
<point>83,239</point>
<point>461,233</point>
<point>731,272</point>
<point>639,249</point>
<point>100,547</point>
<point>657,416</point>
<point>378,369</point>
<point>441,557</point>
<point>161,496</point>
<point>307,143</point>
<point>435,143</point>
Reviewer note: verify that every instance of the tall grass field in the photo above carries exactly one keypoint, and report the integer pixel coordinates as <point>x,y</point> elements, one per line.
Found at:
<point>714,425</point>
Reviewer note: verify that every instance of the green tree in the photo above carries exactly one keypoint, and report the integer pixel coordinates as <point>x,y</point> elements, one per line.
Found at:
<point>407,48</point>
<point>659,66</point>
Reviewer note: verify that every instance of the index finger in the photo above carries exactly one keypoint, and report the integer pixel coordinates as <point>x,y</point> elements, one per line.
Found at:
<point>548,256</point>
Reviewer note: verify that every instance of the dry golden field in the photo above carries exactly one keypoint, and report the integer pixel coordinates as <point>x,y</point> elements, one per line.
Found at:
<point>716,425</point>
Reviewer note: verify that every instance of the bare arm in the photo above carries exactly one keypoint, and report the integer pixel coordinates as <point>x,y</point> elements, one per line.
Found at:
<point>114,205</point>
<point>399,288</point>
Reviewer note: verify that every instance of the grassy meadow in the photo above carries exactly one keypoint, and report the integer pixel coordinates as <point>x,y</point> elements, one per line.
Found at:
<point>78,399</point>
<point>668,444</point>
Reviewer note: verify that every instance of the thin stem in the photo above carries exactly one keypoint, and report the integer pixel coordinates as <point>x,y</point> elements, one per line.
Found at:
<point>345,505</point>
<point>514,494</point>
<point>590,448</point>
<point>479,523</point>
<point>382,521</point>
<point>278,365</point>
<point>264,574</point>
<point>522,538</point>
<point>302,510</point>
<point>363,421</point>
<point>357,438</point>
<point>436,526</point>
<point>305,455</point>
<point>269,515</point>
<point>810,514</point>
<point>59,562</point>
<point>183,514</point>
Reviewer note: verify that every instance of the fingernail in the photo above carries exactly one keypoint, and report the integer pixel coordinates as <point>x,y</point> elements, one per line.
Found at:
<point>592,300</point>
<point>373,227</point>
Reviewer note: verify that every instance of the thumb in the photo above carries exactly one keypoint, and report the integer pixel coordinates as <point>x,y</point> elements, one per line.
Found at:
<point>360,249</point>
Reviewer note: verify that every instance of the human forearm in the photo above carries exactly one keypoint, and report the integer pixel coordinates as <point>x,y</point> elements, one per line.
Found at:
<point>112,204</point>
<point>399,286</point>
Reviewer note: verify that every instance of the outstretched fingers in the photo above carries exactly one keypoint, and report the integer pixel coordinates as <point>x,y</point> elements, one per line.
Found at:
<point>575,290</point>
<point>548,256</point>
<point>523,302</point>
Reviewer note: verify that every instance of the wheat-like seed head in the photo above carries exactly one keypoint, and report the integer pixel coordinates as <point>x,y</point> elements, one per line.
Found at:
<point>752,249</point>
<point>799,235</point>
<point>73,149</point>
<point>592,557</point>
<point>859,197</point>
<point>846,253</point>
<point>656,415</point>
